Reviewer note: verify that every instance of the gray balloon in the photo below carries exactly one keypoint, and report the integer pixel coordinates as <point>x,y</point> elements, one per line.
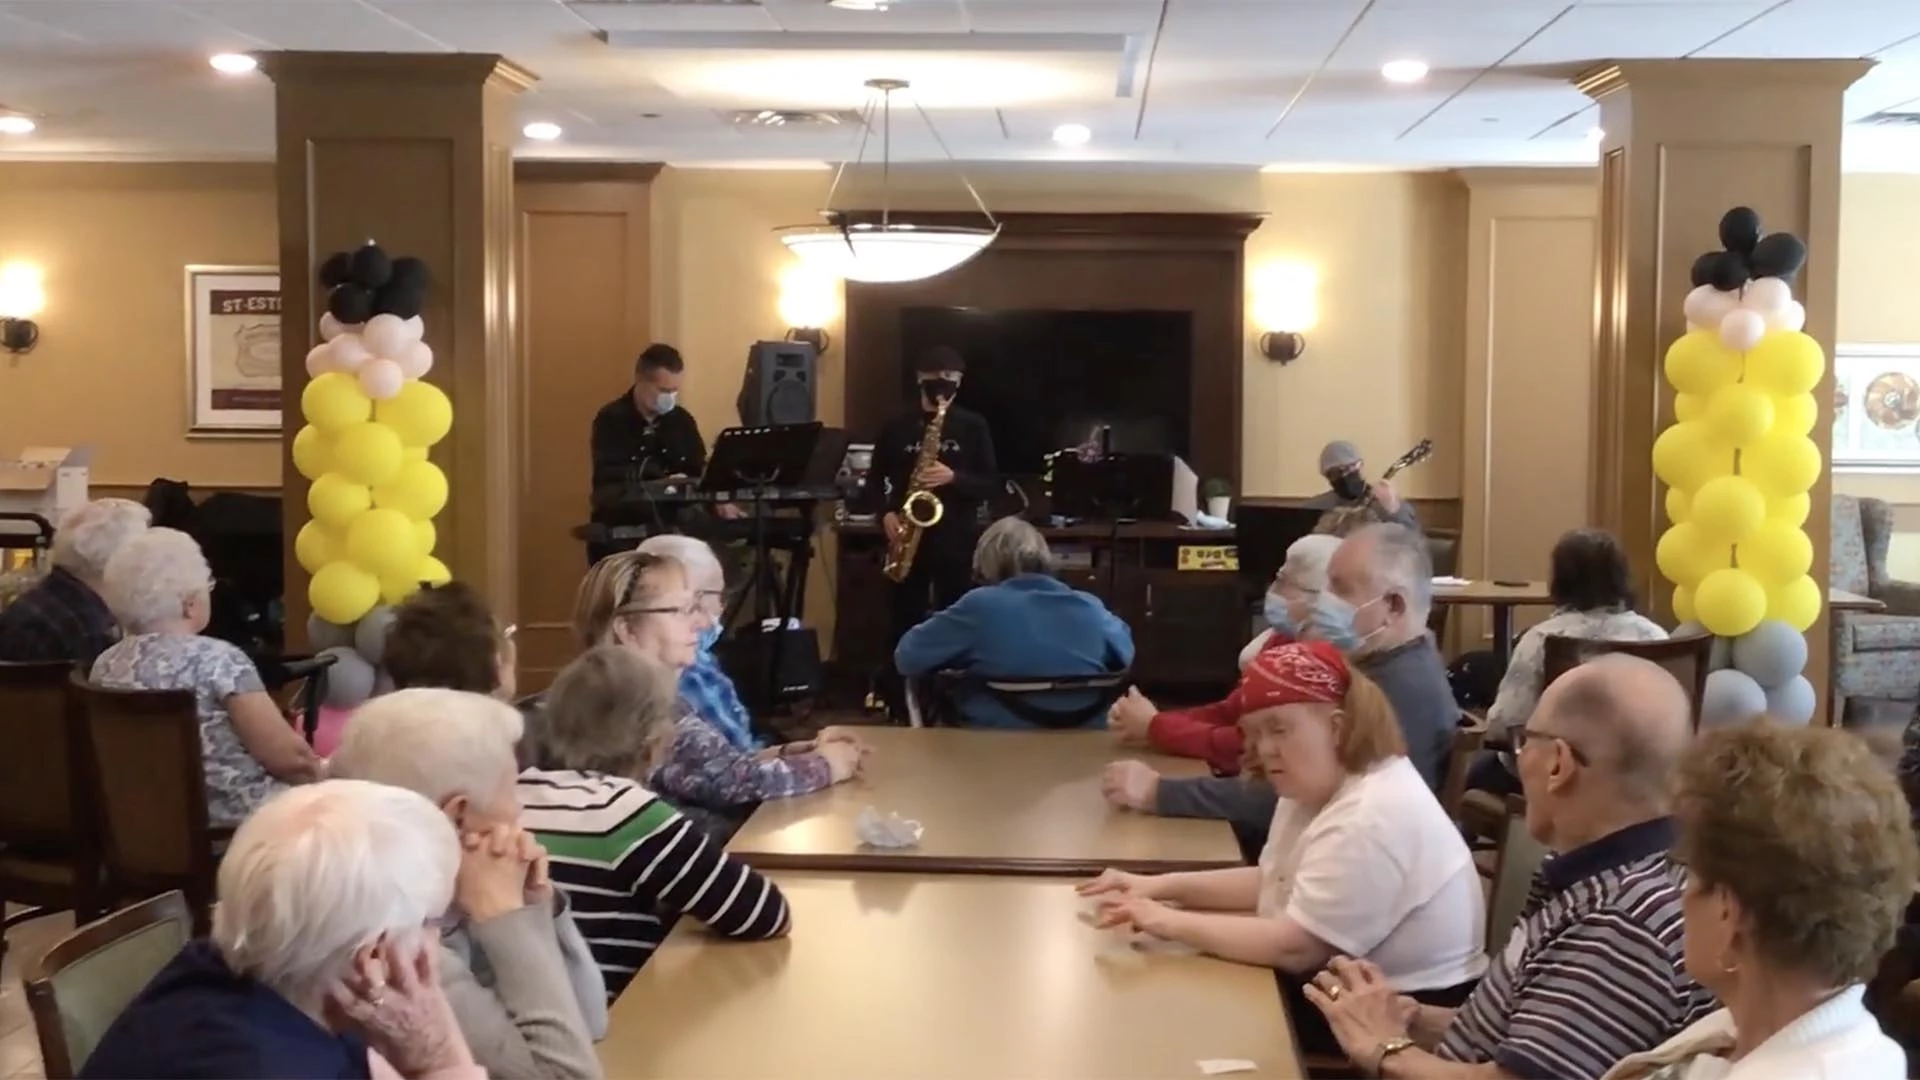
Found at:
<point>370,634</point>
<point>383,684</point>
<point>1732,698</point>
<point>323,635</point>
<point>1792,701</point>
<point>349,680</point>
<point>1721,656</point>
<point>1773,653</point>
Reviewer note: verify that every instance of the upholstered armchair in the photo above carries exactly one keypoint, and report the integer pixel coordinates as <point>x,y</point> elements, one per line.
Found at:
<point>1874,655</point>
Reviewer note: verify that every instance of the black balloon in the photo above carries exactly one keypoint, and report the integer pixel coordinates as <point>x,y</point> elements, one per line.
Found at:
<point>1729,272</point>
<point>350,304</point>
<point>1779,255</point>
<point>371,268</point>
<point>337,270</point>
<point>1740,230</point>
<point>1702,272</point>
<point>410,272</point>
<point>398,299</point>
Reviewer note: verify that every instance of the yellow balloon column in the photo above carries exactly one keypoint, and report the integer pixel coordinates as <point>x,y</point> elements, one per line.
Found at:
<point>370,420</point>
<point>1739,464</point>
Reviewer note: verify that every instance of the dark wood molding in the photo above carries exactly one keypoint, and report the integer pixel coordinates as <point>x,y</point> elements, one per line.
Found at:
<point>542,171</point>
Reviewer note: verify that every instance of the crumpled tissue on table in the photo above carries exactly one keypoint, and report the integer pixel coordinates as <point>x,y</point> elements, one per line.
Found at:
<point>890,831</point>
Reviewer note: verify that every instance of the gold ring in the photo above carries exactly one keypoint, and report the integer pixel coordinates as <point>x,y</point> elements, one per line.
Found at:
<point>1333,992</point>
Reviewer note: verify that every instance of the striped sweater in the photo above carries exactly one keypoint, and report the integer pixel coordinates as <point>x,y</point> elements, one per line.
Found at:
<point>630,865</point>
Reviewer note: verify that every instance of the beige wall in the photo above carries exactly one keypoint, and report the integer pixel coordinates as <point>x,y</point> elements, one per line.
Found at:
<point>1880,304</point>
<point>110,371</point>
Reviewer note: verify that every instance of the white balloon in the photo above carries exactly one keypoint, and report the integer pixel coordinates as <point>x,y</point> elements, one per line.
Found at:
<point>319,360</point>
<point>417,360</point>
<point>416,328</point>
<point>1792,316</point>
<point>349,353</point>
<point>1741,330</point>
<point>1766,295</point>
<point>329,327</point>
<point>1707,305</point>
<point>382,379</point>
<point>385,336</point>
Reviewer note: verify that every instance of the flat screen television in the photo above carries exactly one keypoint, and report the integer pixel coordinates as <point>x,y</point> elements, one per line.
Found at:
<point>1045,379</point>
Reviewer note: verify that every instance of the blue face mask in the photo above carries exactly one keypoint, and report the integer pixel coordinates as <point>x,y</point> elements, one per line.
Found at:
<point>1278,617</point>
<point>665,402</point>
<point>709,637</point>
<point>1332,622</point>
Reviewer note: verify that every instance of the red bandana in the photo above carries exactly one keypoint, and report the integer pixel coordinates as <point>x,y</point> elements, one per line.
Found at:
<point>1304,672</point>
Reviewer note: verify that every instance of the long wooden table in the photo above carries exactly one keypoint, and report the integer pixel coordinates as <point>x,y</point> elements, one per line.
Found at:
<point>1501,600</point>
<point>909,977</point>
<point>992,802</point>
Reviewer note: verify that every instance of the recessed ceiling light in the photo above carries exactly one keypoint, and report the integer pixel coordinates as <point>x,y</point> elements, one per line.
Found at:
<point>1404,71</point>
<point>232,63</point>
<point>16,125</point>
<point>1595,134</point>
<point>1072,134</point>
<point>542,130</point>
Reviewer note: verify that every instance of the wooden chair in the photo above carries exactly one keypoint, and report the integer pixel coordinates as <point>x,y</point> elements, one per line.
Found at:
<point>146,762</point>
<point>1468,737</point>
<point>1515,862</point>
<point>49,844</point>
<point>86,980</point>
<point>1688,658</point>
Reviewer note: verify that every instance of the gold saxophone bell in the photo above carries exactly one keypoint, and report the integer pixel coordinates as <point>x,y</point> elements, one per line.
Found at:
<point>923,508</point>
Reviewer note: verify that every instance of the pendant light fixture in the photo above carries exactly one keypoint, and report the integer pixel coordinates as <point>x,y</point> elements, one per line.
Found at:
<point>887,251</point>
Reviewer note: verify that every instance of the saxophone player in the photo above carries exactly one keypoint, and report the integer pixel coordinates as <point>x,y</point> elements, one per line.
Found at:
<point>962,476</point>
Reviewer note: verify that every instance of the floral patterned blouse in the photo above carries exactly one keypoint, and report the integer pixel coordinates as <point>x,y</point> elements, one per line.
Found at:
<point>1526,672</point>
<point>717,784</point>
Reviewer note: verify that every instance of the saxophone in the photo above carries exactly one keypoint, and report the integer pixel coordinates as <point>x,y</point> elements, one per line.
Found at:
<point>922,509</point>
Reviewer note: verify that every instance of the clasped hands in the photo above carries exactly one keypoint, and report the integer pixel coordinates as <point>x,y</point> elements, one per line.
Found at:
<point>502,869</point>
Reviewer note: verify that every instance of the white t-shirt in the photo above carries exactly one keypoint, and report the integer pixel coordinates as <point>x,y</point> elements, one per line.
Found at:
<point>1380,873</point>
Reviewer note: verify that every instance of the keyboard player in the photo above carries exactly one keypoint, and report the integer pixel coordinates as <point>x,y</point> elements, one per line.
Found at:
<point>644,434</point>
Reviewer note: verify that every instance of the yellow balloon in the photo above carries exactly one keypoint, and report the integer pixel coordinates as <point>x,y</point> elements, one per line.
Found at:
<point>1687,456</point>
<point>1786,362</point>
<point>1728,509</point>
<point>425,537</point>
<point>1730,602</point>
<point>1679,505</point>
<point>425,571</point>
<point>1697,363</point>
<point>1683,604</point>
<point>368,453</point>
<point>432,571</point>
<point>419,412</point>
<point>418,490</point>
<point>334,401</point>
<point>1775,555</point>
<point>1792,509</point>
<point>1796,603</point>
<point>310,452</point>
<point>397,588</point>
<point>315,547</point>
<point>1738,414</point>
<point>333,500</point>
<point>1685,554</point>
<point>1795,414</point>
<point>414,453</point>
<point>341,593</point>
<point>1688,407</point>
<point>383,542</point>
<point>1781,464</point>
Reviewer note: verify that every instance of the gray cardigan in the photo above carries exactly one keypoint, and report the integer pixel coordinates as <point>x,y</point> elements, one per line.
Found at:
<point>527,994</point>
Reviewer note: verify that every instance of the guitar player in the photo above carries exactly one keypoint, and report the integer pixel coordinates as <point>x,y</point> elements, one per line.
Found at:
<point>1345,470</point>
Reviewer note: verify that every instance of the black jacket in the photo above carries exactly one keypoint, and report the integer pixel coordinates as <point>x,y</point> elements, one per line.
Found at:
<point>966,447</point>
<point>624,442</point>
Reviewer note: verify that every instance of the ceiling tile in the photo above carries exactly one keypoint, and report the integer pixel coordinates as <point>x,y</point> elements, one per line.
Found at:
<point>313,24</point>
<point>1594,32</point>
<point>1826,28</point>
<point>915,16</point>
<point>674,17</point>
<point>511,27</point>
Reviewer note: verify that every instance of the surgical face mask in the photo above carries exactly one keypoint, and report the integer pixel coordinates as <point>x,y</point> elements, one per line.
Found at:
<point>665,402</point>
<point>1349,485</point>
<point>1332,622</point>
<point>709,637</point>
<point>1278,617</point>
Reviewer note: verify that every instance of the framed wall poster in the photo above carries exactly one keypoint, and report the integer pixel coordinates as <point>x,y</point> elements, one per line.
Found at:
<point>1876,408</point>
<point>233,351</point>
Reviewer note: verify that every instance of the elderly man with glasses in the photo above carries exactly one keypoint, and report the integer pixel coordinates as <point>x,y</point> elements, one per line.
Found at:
<point>1593,970</point>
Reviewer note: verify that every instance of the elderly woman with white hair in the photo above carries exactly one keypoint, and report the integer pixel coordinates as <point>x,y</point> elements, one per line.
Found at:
<point>1023,622</point>
<point>1212,732</point>
<point>160,589</point>
<point>703,685</point>
<point>64,617</point>
<point>322,962</point>
<point>521,979</point>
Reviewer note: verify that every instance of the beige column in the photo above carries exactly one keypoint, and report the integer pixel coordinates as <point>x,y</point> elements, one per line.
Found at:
<point>1685,141</point>
<point>414,151</point>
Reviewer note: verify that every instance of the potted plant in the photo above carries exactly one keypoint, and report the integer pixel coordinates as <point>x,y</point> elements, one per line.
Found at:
<point>1218,495</point>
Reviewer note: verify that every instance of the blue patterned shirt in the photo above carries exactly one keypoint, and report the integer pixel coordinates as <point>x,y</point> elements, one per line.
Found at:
<point>712,695</point>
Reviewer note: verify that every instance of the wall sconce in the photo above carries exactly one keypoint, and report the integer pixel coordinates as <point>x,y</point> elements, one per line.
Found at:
<point>808,302</point>
<point>21,298</point>
<point>1285,305</point>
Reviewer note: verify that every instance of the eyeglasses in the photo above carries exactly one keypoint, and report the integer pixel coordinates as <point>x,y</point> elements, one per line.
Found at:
<point>689,609</point>
<point>1521,737</point>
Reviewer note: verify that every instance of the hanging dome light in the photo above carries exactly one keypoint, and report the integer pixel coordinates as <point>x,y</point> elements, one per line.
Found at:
<point>887,251</point>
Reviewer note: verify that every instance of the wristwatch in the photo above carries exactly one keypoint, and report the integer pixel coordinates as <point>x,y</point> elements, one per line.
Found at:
<point>1388,1048</point>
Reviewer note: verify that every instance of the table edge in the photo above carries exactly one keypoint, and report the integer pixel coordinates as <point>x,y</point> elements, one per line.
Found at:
<point>858,862</point>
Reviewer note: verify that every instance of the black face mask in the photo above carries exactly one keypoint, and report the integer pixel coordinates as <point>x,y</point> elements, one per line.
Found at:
<point>1349,485</point>
<point>935,389</point>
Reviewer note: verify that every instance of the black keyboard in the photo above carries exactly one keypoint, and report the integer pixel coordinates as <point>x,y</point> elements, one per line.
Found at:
<point>634,498</point>
<point>781,532</point>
